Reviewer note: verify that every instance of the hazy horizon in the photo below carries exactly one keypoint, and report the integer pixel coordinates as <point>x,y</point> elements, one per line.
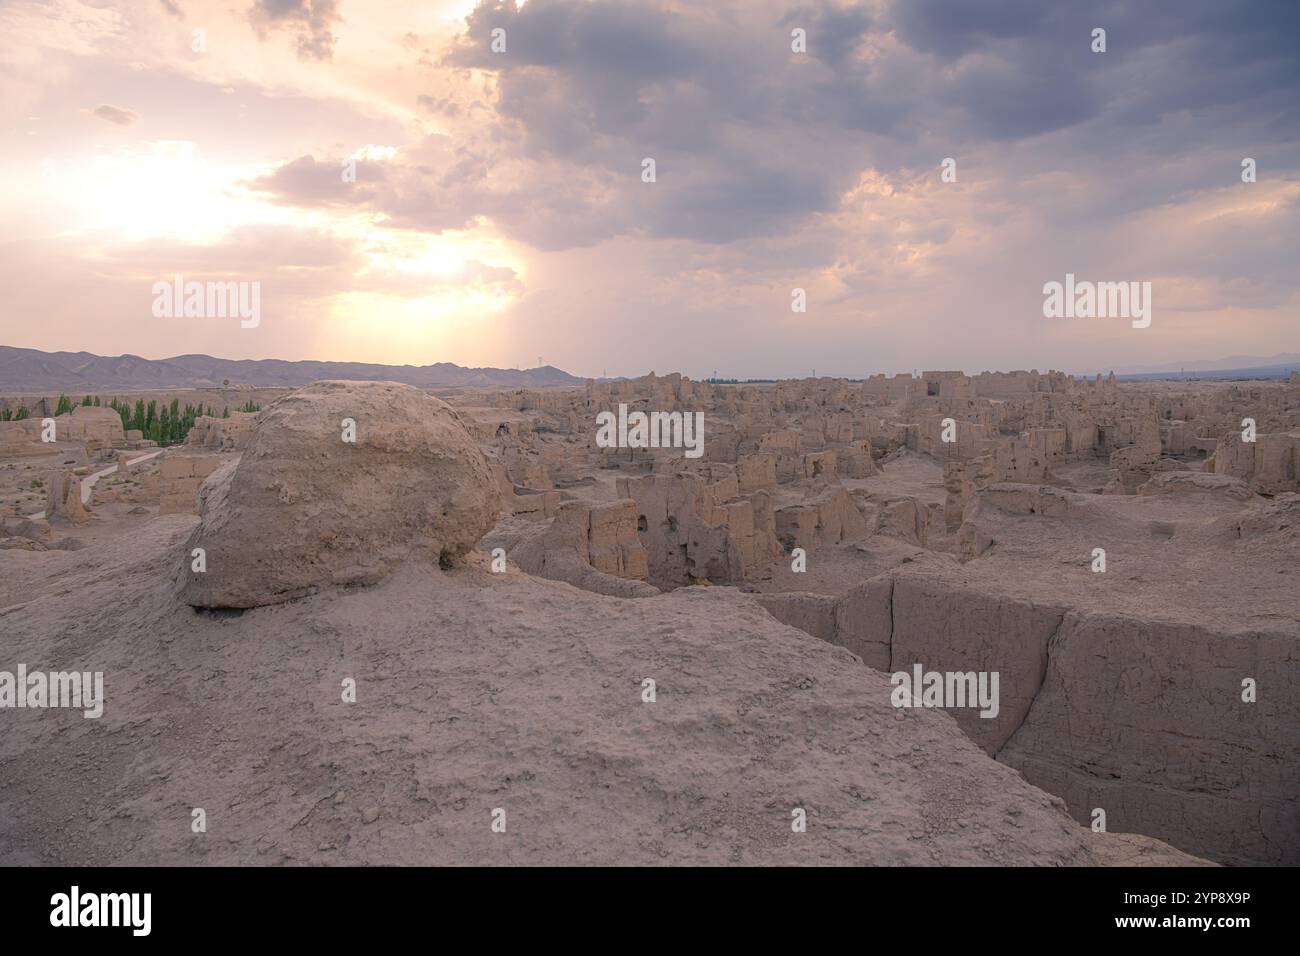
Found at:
<point>1224,363</point>
<point>499,212</point>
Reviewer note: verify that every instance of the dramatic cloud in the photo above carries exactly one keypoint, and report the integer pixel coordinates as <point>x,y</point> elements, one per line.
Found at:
<point>752,140</point>
<point>489,206</point>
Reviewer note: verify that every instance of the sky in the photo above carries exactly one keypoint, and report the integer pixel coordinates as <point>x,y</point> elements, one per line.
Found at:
<point>500,211</point>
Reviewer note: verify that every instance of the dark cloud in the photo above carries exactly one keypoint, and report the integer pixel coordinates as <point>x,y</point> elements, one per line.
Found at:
<point>306,182</point>
<point>736,203</point>
<point>311,19</point>
<point>1163,56</point>
<point>1012,98</point>
<point>117,114</point>
<point>699,89</point>
<point>443,105</point>
<point>838,30</point>
<point>952,30</point>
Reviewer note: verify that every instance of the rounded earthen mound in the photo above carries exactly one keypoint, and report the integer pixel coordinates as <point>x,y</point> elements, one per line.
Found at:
<point>305,509</point>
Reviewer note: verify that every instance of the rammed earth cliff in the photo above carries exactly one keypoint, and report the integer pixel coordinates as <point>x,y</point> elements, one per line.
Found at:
<point>924,688</point>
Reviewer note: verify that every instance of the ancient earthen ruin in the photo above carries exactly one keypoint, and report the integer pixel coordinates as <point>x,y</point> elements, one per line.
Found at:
<point>500,587</point>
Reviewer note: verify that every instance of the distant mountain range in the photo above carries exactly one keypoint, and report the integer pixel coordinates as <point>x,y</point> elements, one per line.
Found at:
<point>1232,367</point>
<point>34,370</point>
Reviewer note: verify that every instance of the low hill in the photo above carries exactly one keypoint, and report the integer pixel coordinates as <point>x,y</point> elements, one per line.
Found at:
<point>36,370</point>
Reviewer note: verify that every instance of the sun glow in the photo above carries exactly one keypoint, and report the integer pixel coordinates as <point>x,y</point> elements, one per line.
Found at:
<point>159,189</point>
<point>378,327</point>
